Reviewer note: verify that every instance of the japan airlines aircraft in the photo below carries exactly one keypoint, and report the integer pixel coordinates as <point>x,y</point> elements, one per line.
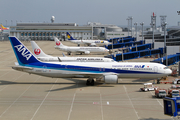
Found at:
<point>81,50</point>
<point>88,42</point>
<point>4,28</point>
<point>107,72</point>
<point>37,51</point>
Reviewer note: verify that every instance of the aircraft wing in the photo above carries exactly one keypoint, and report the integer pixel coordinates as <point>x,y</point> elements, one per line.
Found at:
<point>93,75</point>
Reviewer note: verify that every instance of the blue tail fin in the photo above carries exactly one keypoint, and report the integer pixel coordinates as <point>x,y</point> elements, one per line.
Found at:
<point>69,36</point>
<point>23,55</point>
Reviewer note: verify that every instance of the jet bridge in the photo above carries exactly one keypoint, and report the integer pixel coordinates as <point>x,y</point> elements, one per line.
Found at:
<point>134,55</point>
<point>172,59</point>
<point>122,39</point>
<point>125,44</point>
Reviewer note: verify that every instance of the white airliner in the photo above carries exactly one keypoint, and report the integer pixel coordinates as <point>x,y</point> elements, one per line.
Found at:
<point>88,42</point>
<point>38,52</point>
<point>107,72</point>
<point>81,50</point>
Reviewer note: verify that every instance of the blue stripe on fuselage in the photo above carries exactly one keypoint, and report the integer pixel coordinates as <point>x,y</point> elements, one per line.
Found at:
<point>84,68</point>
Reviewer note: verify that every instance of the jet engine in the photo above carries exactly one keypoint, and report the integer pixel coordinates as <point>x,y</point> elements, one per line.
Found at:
<point>87,52</point>
<point>110,79</point>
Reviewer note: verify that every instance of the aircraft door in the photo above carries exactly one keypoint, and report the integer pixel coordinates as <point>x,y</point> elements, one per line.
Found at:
<point>155,69</point>
<point>44,68</point>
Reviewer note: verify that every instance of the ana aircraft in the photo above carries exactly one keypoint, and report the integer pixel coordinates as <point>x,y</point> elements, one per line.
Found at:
<point>38,52</point>
<point>103,72</point>
<point>81,50</point>
<point>88,42</point>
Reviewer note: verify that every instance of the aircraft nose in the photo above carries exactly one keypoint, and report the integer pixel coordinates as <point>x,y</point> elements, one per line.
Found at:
<point>169,71</point>
<point>107,50</point>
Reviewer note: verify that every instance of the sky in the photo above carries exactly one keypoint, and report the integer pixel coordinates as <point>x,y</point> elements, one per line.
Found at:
<point>82,11</point>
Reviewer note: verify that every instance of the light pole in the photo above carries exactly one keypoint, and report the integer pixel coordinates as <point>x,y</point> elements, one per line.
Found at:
<point>136,29</point>
<point>142,30</point>
<point>92,32</point>
<point>165,49</point>
<point>11,22</point>
<point>130,18</point>
<point>128,25</point>
<point>152,25</point>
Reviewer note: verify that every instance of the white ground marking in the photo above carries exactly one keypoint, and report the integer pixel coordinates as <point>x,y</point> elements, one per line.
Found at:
<point>72,104</point>
<point>157,99</point>
<point>131,102</point>
<point>16,99</point>
<point>43,101</point>
<point>101,107</point>
<point>107,102</point>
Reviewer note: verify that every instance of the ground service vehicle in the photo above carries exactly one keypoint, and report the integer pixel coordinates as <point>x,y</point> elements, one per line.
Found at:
<point>177,81</point>
<point>148,87</point>
<point>173,93</point>
<point>160,93</point>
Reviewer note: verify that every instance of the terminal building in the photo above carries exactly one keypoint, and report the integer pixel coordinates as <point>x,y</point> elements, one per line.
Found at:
<point>45,31</point>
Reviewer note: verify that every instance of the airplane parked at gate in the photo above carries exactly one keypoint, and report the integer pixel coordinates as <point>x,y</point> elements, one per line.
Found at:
<point>86,50</point>
<point>88,42</point>
<point>108,72</point>
<point>37,51</point>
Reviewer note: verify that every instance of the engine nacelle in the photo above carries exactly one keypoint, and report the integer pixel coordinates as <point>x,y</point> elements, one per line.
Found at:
<point>111,79</point>
<point>87,52</point>
<point>93,44</point>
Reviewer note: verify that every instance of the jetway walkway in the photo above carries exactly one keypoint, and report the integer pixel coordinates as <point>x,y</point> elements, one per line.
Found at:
<point>126,44</point>
<point>122,39</point>
<point>138,48</point>
<point>137,54</point>
<point>172,59</point>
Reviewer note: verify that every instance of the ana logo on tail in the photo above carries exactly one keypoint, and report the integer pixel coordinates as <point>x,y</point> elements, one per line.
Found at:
<point>37,51</point>
<point>58,43</point>
<point>24,51</point>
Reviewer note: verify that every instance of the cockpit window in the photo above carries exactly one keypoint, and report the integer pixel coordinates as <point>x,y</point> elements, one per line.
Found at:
<point>166,68</point>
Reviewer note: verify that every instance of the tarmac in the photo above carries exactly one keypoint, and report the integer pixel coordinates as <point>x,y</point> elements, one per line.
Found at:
<point>25,96</point>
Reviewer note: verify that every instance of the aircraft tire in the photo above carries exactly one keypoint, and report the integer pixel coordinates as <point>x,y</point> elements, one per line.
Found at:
<point>92,82</point>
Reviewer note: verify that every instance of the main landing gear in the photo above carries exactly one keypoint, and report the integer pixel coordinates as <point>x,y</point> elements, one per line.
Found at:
<point>90,81</point>
<point>69,53</point>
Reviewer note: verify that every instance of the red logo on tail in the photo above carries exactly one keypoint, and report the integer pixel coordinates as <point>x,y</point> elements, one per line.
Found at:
<point>37,51</point>
<point>58,43</point>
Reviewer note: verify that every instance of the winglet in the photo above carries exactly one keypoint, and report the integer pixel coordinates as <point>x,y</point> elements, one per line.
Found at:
<point>23,55</point>
<point>69,36</point>
<point>64,55</point>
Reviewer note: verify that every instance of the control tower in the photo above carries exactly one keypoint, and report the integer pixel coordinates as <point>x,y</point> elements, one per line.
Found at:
<point>153,21</point>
